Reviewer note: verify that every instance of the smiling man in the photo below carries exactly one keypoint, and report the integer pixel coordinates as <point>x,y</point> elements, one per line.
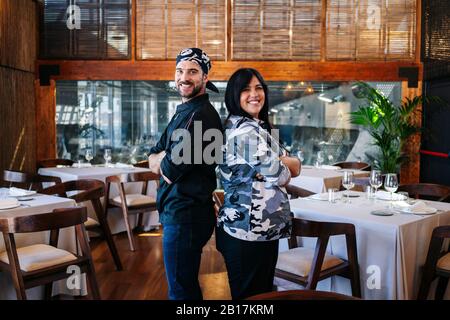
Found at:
<point>185,194</point>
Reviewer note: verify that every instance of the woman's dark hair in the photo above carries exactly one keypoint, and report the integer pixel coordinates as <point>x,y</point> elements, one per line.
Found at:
<point>237,83</point>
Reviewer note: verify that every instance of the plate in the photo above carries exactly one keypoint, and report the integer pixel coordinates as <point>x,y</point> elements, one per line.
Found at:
<point>24,198</point>
<point>422,212</point>
<point>17,192</point>
<point>381,213</point>
<point>327,167</point>
<point>10,206</point>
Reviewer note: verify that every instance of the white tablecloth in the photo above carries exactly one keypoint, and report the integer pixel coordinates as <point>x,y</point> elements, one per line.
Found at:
<point>397,244</point>
<point>319,180</point>
<point>115,218</point>
<point>40,204</point>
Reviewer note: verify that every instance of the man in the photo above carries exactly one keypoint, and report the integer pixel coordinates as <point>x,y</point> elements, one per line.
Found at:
<point>185,193</point>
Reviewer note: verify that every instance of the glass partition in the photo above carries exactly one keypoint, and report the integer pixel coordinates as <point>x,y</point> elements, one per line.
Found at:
<point>128,117</point>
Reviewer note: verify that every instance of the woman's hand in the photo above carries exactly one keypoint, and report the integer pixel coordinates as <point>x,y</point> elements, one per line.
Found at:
<point>294,165</point>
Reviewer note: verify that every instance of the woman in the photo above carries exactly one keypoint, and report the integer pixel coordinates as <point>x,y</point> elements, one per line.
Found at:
<point>256,212</point>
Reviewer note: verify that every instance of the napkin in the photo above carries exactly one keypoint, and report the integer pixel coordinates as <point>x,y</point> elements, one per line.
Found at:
<point>81,165</point>
<point>17,192</point>
<point>122,165</point>
<point>384,195</point>
<point>327,167</point>
<point>417,207</point>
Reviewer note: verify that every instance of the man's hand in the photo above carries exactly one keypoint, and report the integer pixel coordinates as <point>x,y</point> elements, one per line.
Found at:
<point>154,162</point>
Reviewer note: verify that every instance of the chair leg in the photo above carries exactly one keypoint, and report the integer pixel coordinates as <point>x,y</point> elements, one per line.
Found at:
<point>107,233</point>
<point>48,291</point>
<point>441,287</point>
<point>425,284</point>
<point>129,231</point>
<point>13,259</point>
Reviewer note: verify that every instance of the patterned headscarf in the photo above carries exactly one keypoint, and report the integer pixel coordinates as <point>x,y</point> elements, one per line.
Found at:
<point>201,58</point>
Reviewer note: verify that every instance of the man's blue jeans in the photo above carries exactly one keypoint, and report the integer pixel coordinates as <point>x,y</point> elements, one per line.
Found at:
<point>182,249</point>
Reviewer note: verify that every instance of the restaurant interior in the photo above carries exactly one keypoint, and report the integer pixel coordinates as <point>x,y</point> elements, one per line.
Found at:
<point>359,91</point>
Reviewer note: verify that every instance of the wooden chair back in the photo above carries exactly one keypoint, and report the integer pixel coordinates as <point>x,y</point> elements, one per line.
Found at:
<point>430,270</point>
<point>142,164</point>
<point>57,219</point>
<point>353,165</point>
<point>323,231</point>
<point>297,192</point>
<point>218,198</point>
<point>301,295</point>
<point>27,180</point>
<point>50,163</point>
<point>53,221</point>
<point>427,191</point>
<point>89,190</point>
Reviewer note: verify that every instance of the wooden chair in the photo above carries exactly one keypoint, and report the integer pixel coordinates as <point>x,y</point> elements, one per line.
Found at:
<point>141,164</point>
<point>50,163</point>
<point>297,192</point>
<point>307,266</point>
<point>29,181</point>
<point>437,265</point>
<point>218,198</point>
<point>131,203</point>
<point>89,190</point>
<point>427,191</point>
<point>353,165</point>
<point>42,264</point>
<point>301,295</point>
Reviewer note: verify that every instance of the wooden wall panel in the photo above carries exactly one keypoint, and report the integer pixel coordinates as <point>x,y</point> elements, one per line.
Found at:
<point>410,171</point>
<point>45,121</point>
<point>18,34</point>
<point>18,47</point>
<point>17,114</point>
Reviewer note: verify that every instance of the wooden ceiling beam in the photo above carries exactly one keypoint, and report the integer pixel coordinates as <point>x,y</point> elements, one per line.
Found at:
<point>222,70</point>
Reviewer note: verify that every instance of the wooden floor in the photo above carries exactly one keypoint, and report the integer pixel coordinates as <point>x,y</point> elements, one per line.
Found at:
<point>143,277</point>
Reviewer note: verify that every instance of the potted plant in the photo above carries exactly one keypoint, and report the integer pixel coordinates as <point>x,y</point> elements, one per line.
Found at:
<point>389,125</point>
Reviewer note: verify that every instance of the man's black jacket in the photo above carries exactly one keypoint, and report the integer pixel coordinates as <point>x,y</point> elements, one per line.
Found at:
<point>188,199</point>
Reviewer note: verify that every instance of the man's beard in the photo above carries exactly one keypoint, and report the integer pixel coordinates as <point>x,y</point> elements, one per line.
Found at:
<point>194,92</point>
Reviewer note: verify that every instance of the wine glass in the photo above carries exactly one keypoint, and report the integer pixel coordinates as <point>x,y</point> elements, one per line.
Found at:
<point>376,180</point>
<point>320,158</point>
<point>107,157</point>
<point>88,155</point>
<point>300,155</point>
<point>348,182</point>
<point>391,185</point>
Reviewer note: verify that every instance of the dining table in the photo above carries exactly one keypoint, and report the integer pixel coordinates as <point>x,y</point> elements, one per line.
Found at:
<point>392,242</point>
<point>36,204</point>
<point>320,179</point>
<point>100,172</point>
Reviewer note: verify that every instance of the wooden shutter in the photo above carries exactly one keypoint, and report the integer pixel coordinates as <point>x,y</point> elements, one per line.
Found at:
<point>371,29</point>
<point>104,32</point>
<point>164,27</point>
<point>276,30</point>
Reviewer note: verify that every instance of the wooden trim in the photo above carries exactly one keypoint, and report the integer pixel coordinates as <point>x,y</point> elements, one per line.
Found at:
<point>271,70</point>
<point>323,32</point>
<point>229,30</point>
<point>133,30</point>
<point>418,30</point>
<point>45,120</point>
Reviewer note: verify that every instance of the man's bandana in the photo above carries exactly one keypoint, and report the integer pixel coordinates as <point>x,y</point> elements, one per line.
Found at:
<point>201,58</point>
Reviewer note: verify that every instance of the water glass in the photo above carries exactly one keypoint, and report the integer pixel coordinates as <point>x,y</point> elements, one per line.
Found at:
<point>320,159</point>
<point>300,155</point>
<point>391,185</point>
<point>332,195</point>
<point>348,182</point>
<point>88,155</point>
<point>370,192</point>
<point>376,179</point>
<point>107,157</point>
